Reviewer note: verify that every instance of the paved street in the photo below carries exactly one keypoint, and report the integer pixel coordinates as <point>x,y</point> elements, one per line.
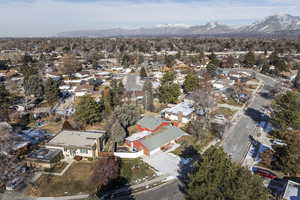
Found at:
<point>237,138</point>
<point>166,192</point>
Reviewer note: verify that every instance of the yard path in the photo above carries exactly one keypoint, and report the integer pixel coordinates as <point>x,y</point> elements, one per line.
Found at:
<point>63,171</point>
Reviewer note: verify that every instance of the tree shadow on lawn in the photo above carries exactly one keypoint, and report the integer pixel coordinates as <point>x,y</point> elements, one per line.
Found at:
<point>116,189</point>
<point>256,115</point>
<point>186,167</point>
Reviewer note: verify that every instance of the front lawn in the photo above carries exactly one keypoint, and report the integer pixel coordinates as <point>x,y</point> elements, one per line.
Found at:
<point>135,171</point>
<point>74,181</point>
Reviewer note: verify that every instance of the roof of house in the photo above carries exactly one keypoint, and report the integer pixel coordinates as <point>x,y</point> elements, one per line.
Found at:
<point>138,136</point>
<point>163,137</point>
<point>292,191</point>
<point>75,138</point>
<point>150,122</point>
<point>44,154</point>
<point>184,108</point>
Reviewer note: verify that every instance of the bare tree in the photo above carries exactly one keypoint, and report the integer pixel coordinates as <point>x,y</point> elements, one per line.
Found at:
<point>69,65</point>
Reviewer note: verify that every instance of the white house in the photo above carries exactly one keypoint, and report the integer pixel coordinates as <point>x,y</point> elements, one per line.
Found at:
<point>182,112</point>
<point>87,144</point>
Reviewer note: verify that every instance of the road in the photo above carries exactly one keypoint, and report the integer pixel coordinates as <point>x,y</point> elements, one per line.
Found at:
<point>236,140</point>
<point>167,192</point>
<point>235,143</point>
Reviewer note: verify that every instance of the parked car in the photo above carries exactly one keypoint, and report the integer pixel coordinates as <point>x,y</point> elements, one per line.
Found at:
<point>278,142</point>
<point>264,173</point>
<point>15,184</point>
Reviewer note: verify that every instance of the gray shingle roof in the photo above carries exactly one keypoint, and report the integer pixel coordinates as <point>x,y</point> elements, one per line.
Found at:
<point>163,137</point>
<point>150,122</point>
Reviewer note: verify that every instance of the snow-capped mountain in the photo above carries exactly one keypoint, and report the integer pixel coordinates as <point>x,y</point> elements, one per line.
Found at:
<point>270,25</point>
<point>273,24</point>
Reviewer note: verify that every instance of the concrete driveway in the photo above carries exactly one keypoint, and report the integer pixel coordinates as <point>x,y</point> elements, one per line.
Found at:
<point>165,163</point>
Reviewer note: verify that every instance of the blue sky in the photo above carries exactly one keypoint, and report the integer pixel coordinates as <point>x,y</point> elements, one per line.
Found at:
<point>47,17</point>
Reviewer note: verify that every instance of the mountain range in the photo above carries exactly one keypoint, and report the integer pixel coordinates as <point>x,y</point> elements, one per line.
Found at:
<point>275,24</point>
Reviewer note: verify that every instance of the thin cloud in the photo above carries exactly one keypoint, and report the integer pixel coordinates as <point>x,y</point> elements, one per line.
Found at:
<point>46,17</point>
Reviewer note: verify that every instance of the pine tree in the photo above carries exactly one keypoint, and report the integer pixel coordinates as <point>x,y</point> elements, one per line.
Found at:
<point>191,82</point>
<point>52,91</point>
<point>88,111</point>
<point>297,80</point>
<point>215,177</point>
<point>211,69</point>
<point>5,102</point>
<point>148,97</point>
<point>169,93</point>
<point>250,60</point>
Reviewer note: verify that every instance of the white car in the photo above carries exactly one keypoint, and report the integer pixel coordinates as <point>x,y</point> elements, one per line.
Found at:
<point>278,142</point>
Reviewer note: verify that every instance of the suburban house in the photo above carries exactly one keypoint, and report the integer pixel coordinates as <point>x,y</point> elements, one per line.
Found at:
<point>86,144</point>
<point>151,143</point>
<point>44,158</point>
<point>156,133</point>
<point>151,124</point>
<point>181,113</point>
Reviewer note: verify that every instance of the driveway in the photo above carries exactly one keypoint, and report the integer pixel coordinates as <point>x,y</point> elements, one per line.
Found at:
<point>165,163</point>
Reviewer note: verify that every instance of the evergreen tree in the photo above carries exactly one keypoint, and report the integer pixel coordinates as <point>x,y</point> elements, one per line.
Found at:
<point>215,177</point>
<point>126,114</point>
<point>117,132</point>
<point>169,93</point>
<point>214,60</point>
<point>286,111</point>
<point>250,60</point>
<point>88,111</point>
<point>148,97</point>
<point>52,91</point>
<point>191,82</point>
<point>33,85</point>
<point>211,69</point>
<point>297,80</point>
<point>5,102</point>
<point>168,77</point>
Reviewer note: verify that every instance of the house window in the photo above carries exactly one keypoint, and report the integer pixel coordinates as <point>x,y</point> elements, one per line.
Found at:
<point>83,151</point>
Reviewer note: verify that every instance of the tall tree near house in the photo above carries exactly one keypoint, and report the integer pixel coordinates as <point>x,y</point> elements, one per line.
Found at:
<point>127,115</point>
<point>69,65</point>
<point>215,177</point>
<point>286,111</point>
<point>88,111</point>
<point>148,97</point>
<point>211,68</point>
<point>169,93</point>
<point>286,157</point>
<point>117,133</point>
<point>168,77</point>
<point>297,80</point>
<point>250,59</point>
<point>33,85</point>
<point>214,60</point>
<point>105,172</point>
<point>169,60</point>
<point>5,102</point>
<point>52,91</point>
<point>117,91</point>
<point>143,73</point>
<point>191,82</point>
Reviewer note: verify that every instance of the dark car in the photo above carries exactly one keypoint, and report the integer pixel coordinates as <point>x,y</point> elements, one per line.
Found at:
<point>264,173</point>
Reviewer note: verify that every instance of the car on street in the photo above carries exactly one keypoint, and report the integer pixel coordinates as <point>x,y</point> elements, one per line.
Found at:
<point>264,173</point>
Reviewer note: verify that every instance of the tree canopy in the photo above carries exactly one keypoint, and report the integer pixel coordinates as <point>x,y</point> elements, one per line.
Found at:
<point>5,101</point>
<point>215,177</point>
<point>286,111</point>
<point>126,114</point>
<point>88,111</point>
<point>52,91</point>
<point>250,59</point>
<point>191,82</point>
<point>148,97</point>
<point>169,93</point>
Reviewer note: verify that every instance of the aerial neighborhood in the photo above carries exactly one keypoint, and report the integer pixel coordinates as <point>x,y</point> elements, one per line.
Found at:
<point>120,118</point>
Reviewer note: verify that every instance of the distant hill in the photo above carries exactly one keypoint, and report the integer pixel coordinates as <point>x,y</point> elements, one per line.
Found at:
<point>277,24</point>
